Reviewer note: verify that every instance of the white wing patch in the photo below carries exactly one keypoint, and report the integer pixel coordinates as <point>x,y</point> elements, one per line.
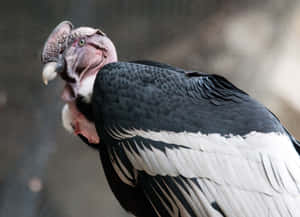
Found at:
<point>254,175</point>
<point>274,144</point>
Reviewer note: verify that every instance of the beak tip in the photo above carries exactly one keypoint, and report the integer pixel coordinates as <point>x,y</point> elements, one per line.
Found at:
<point>49,72</point>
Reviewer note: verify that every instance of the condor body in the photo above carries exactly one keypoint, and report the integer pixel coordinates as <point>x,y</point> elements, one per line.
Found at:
<point>173,142</point>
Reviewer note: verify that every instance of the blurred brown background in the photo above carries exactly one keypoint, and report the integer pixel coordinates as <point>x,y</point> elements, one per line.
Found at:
<point>46,172</point>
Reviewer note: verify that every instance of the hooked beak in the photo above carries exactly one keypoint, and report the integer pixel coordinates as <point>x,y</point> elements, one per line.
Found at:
<point>51,69</point>
<point>49,72</point>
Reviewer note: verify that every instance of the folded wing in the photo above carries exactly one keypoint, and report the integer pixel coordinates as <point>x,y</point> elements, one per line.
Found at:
<point>190,174</point>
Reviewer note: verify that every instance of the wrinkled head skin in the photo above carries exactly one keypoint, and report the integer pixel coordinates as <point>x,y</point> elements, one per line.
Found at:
<point>76,55</point>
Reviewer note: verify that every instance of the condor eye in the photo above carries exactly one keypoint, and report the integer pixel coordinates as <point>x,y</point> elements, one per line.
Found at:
<point>81,42</point>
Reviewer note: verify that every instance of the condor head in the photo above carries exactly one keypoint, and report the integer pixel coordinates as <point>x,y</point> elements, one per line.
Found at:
<point>76,55</point>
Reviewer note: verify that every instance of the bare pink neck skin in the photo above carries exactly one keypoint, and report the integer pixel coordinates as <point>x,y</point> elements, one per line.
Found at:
<point>79,123</point>
<point>110,53</point>
<point>82,126</point>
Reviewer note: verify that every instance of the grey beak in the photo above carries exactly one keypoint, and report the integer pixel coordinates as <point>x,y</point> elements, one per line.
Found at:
<point>61,64</point>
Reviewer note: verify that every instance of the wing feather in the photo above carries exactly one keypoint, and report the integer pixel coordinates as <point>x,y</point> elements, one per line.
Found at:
<point>212,176</point>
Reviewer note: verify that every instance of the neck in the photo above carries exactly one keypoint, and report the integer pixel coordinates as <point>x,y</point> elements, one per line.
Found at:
<point>86,86</point>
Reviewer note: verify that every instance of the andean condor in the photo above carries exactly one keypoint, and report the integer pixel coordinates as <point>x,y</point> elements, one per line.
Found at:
<point>173,142</point>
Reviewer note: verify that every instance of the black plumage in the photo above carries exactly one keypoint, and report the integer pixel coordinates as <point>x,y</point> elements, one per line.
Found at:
<point>134,104</point>
<point>152,97</point>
